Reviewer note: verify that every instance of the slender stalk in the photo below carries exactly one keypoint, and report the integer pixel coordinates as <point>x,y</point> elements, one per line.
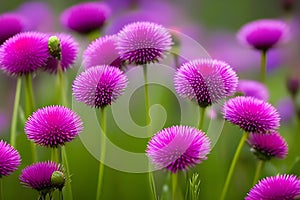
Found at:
<point>60,195</point>
<point>233,164</point>
<point>102,154</point>
<point>30,108</point>
<point>174,185</point>
<point>61,88</point>
<point>69,193</point>
<point>13,127</point>
<point>55,155</point>
<point>201,120</point>
<point>1,190</point>
<point>259,167</point>
<point>263,66</point>
<point>147,106</point>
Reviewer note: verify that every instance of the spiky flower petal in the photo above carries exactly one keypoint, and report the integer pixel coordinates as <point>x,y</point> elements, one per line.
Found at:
<point>9,159</point>
<point>178,147</point>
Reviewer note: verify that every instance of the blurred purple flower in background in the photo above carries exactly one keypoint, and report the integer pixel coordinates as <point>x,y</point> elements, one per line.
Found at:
<point>10,25</point>
<point>253,89</point>
<point>9,159</point>
<point>263,34</point>
<point>280,187</point>
<point>102,51</point>
<point>286,109</point>
<point>178,147</point>
<point>143,43</point>
<point>205,81</point>
<point>69,52</point>
<point>85,17</point>
<point>53,126</point>
<point>251,114</point>
<point>266,146</point>
<point>99,86</point>
<point>24,53</point>
<point>39,16</point>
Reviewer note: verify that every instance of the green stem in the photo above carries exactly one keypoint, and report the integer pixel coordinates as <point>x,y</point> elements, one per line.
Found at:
<point>263,66</point>
<point>64,158</point>
<point>13,127</point>
<point>61,196</point>
<point>30,108</point>
<point>259,167</point>
<point>174,185</point>
<point>61,88</point>
<point>102,153</point>
<point>55,155</point>
<point>1,189</point>
<point>147,106</point>
<point>201,120</point>
<point>233,164</point>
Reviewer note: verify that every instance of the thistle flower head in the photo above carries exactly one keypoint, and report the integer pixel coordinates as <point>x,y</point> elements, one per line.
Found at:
<point>266,146</point>
<point>68,53</point>
<point>53,126</point>
<point>99,86</point>
<point>205,81</point>
<point>178,148</point>
<point>9,159</point>
<point>253,89</point>
<point>143,42</point>
<point>38,176</point>
<point>280,187</point>
<point>263,34</point>
<point>10,25</point>
<point>102,51</point>
<point>85,17</point>
<point>24,53</point>
<point>251,114</point>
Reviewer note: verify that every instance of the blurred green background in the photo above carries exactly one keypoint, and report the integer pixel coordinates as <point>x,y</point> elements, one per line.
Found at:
<point>212,17</point>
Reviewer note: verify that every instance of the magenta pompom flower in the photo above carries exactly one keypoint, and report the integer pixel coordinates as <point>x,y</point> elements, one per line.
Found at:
<point>266,146</point>
<point>9,159</point>
<point>24,53</point>
<point>10,25</point>
<point>99,86</point>
<point>53,126</point>
<point>280,187</point>
<point>143,42</point>
<point>85,17</point>
<point>102,51</point>
<point>38,176</point>
<point>69,50</point>
<point>178,148</point>
<point>253,89</point>
<point>251,114</point>
<point>263,34</point>
<point>205,81</point>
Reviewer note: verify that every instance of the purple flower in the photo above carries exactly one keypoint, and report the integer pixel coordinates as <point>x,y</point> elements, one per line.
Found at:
<point>286,109</point>
<point>143,42</point>
<point>52,126</point>
<point>205,81</point>
<point>99,86</point>
<point>251,114</point>
<point>266,146</point>
<point>38,176</point>
<point>293,84</point>
<point>69,51</point>
<point>39,15</point>
<point>253,89</point>
<point>178,148</point>
<point>85,17</point>
<point>10,25</point>
<point>102,52</point>
<point>263,34</point>
<point>24,53</point>
<point>9,159</point>
<point>280,187</point>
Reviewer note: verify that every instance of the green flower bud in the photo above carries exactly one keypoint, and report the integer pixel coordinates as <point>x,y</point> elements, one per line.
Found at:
<point>54,47</point>
<point>58,179</point>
